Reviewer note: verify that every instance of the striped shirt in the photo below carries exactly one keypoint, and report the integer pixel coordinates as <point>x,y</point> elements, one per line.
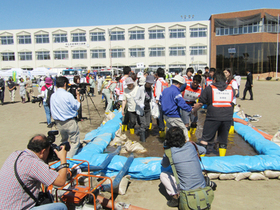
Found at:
<point>32,171</point>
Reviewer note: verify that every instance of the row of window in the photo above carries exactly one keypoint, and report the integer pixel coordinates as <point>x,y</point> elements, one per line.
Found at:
<point>101,53</point>
<point>100,36</point>
<point>248,29</point>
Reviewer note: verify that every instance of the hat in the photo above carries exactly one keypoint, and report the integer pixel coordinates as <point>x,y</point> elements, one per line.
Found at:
<point>108,78</point>
<point>142,81</point>
<point>179,79</point>
<point>139,74</point>
<point>150,79</point>
<point>48,80</point>
<point>129,81</point>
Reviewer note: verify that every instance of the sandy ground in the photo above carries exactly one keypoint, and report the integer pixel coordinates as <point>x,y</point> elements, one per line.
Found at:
<point>19,122</point>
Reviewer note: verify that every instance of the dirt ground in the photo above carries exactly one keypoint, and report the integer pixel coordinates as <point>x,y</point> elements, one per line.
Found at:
<point>19,122</point>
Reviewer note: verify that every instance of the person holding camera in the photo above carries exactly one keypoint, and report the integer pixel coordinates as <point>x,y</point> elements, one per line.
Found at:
<point>33,170</point>
<point>184,156</point>
<point>72,90</point>
<point>64,109</point>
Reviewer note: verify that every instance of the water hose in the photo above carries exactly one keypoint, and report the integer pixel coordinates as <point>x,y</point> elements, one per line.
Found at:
<point>265,135</point>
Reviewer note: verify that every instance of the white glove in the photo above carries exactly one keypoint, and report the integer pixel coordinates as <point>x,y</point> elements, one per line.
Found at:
<point>142,106</point>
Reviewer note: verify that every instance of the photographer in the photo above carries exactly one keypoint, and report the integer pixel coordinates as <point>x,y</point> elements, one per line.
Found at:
<point>64,109</point>
<point>187,165</point>
<point>33,170</point>
<point>72,90</point>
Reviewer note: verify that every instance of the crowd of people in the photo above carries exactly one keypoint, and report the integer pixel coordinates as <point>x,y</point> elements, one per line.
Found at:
<point>175,100</point>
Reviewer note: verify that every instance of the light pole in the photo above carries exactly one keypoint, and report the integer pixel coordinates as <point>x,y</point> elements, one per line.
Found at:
<point>109,32</point>
<point>277,47</point>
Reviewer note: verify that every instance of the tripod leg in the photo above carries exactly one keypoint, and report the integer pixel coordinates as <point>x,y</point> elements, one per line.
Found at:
<point>88,108</point>
<point>94,106</point>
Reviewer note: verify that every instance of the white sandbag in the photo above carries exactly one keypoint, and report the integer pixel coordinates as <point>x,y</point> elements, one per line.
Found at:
<point>123,151</point>
<point>276,137</point>
<point>227,176</point>
<point>258,176</point>
<point>271,174</point>
<point>117,141</point>
<point>213,175</point>
<point>154,110</point>
<point>122,186</point>
<point>240,176</point>
<point>119,131</point>
<point>108,117</point>
<point>131,146</point>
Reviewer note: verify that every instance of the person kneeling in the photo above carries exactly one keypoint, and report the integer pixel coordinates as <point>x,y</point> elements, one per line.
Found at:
<point>188,178</point>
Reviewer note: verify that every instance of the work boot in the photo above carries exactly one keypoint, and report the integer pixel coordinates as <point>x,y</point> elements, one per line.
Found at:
<point>173,202</point>
<point>222,150</point>
<point>142,136</point>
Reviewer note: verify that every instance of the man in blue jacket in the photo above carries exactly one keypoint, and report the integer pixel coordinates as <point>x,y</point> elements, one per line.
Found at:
<point>171,102</point>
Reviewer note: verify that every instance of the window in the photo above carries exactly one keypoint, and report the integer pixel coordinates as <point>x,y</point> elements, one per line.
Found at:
<point>44,55</point>
<point>177,51</point>
<point>117,35</point>
<point>25,56</point>
<point>177,33</point>
<point>61,55</point>
<point>198,32</point>
<point>118,53</point>
<point>136,35</point>
<point>98,36</point>
<point>157,52</point>
<point>244,29</point>
<point>10,56</point>
<point>156,34</point>
<point>137,52</point>
<point>5,40</point>
<point>79,37</point>
<point>25,39</point>
<point>42,39</point>
<point>98,53</point>
<point>271,26</point>
<point>79,54</point>
<point>198,50</point>
<point>60,38</point>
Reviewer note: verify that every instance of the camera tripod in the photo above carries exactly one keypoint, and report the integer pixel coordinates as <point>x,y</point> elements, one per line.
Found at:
<point>86,94</point>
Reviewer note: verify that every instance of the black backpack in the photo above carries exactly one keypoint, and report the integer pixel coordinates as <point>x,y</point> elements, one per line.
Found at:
<point>50,92</point>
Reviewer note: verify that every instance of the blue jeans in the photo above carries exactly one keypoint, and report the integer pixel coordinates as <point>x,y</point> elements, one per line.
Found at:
<point>48,112</point>
<point>52,206</point>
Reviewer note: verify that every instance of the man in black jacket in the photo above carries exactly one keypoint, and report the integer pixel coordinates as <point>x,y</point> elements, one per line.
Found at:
<point>2,90</point>
<point>218,96</point>
<point>248,85</point>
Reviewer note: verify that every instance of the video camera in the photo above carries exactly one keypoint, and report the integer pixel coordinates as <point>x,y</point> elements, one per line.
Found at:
<point>37,99</point>
<point>51,138</point>
<point>81,86</point>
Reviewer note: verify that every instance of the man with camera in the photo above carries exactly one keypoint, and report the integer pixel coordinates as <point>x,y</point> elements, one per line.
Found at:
<point>64,109</point>
<point>32,169</point>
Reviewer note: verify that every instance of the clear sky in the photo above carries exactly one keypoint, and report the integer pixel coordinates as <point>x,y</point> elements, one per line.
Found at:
<point>25,14</point>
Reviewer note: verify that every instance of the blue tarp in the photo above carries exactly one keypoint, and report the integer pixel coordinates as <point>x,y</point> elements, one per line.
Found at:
<point>150,168</point>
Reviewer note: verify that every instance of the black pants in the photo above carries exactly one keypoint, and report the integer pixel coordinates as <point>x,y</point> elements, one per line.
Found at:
<point>91,90</point>
<point>211,127</point>
<point>2,95</point>
<point>250,91</point>
<point>132,119</point>
<point>160,121</point>
<point>145,120</point>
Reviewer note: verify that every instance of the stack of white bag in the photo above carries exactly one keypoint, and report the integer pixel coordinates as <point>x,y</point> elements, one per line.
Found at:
<point>127,145</point>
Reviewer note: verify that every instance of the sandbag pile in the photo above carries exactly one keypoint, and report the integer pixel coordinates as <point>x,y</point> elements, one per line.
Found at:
<point>128,146</point>
<point>108,116</point>
<point>266,175</point>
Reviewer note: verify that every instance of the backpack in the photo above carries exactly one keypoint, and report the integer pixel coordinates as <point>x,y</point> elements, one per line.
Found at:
<point>50,92</point>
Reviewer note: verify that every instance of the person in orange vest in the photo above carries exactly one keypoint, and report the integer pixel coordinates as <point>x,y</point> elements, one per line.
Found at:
<point>188,77</point>
<point>218,96</point>
<point>209,79</point>
<point>160,85</point>
<point>190,95</point>
<point>231,82</point>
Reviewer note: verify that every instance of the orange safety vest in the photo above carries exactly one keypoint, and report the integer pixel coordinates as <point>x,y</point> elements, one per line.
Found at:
<point>222,98</point>
<point>190,95</point>
<point>230,84</point>
<point>187,79</point>
<point>121,85</point>
<point>209,81</point>
<point>110,83</point>
<point>164,85</point>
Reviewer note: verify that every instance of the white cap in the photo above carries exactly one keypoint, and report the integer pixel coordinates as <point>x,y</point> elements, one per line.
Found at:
<point>179,79</point>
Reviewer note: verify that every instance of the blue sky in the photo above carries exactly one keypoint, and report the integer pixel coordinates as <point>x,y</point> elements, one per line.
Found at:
<point>25,14</point>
